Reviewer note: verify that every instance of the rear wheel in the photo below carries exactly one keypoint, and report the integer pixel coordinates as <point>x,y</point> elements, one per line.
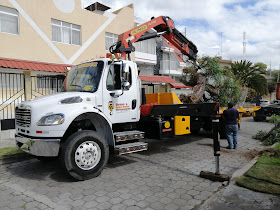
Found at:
<point>84,154</point>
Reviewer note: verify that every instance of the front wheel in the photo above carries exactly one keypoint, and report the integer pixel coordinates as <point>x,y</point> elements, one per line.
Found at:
<point>84,154</point>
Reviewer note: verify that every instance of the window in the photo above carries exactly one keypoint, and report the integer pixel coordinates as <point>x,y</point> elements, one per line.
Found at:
<point>48,82</point>
<point>8,20</point>
<point>128,77</point>
<point>110,39</point>
<point>114,78</point>
<point>66,32</point>
<point>84,77</point>
<point>146,46</point>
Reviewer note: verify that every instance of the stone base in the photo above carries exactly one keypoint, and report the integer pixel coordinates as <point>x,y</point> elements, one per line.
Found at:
<point>214,177</point>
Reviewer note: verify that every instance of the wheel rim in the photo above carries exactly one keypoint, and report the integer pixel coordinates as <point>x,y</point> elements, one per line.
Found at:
<point>87,155</point>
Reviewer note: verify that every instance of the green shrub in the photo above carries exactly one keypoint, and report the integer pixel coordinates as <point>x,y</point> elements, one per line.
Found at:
<point>259,135</point>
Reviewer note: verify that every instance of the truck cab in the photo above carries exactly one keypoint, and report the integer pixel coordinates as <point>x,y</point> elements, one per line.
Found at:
<point>114,84</point>
<point>97,94</point>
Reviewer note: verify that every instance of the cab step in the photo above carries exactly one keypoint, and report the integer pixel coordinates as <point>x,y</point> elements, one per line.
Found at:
<point>128,135</point>
<point>131,148</point>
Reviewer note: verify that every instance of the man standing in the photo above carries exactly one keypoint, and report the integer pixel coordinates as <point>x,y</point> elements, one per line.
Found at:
<point>231,117</point>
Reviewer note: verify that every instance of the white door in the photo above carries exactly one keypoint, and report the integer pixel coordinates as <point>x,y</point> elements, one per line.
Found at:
<point>125,107</point>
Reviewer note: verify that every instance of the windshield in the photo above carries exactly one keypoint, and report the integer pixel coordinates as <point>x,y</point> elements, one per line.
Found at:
<point>84,77</point>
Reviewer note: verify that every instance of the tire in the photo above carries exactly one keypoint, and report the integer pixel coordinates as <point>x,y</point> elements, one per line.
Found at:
<point>195,131</point>
<point>84,155</point>
<point>207,125</point>
<point>258,119</point>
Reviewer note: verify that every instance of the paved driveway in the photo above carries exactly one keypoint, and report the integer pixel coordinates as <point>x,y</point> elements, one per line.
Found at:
<point>165,177</point>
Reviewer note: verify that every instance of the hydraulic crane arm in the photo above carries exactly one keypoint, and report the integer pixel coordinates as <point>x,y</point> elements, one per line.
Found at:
<point>164,26</point>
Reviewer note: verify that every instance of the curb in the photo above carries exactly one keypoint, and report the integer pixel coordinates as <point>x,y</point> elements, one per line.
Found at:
<point>231,182</point>
<point>243,170</point>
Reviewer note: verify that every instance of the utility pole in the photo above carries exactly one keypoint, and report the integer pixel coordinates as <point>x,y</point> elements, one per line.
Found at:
<point>244,45</point>
<point>278,74</point>
<point>270,70</point>
<point>221,44</point>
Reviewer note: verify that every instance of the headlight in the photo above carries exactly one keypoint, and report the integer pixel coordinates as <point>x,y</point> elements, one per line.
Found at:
<point>55,119</point>
<point>71,100</point>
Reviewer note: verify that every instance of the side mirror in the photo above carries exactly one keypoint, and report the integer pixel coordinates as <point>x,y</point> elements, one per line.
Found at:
<point>126,85</point>
<point>116,93</point>
<point>125,73</point>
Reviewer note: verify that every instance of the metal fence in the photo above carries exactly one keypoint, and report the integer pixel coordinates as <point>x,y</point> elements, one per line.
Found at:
<point>45,85</point>
<point>16,88</point>
<point>11,93</point>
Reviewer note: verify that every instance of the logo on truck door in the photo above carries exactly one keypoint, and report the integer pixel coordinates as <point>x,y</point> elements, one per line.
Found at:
<point>120,107</point>
<point>111,107</point>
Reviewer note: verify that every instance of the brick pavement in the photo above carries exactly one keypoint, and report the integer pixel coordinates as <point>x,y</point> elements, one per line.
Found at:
<point>164,177</point>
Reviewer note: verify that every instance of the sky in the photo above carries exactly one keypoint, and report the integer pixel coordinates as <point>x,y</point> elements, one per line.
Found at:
<point>217,27</point>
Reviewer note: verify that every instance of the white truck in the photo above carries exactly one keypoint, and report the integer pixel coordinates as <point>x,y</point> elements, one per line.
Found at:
<point>99,112</point>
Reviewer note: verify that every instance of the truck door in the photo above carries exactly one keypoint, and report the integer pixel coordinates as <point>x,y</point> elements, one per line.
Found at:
<point>121,104</point>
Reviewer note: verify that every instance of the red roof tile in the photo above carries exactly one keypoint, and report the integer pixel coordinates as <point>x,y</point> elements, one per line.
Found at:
<point>179,85</point>
<point>150,78</point>
<point>32,65</point>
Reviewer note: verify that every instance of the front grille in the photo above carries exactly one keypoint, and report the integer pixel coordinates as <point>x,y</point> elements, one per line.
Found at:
<point>23,117</point>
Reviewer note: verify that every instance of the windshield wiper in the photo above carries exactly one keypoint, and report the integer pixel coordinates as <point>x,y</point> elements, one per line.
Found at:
<point>76,85</point>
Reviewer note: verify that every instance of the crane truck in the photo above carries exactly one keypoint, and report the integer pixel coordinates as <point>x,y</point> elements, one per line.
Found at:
<point>103,110</point>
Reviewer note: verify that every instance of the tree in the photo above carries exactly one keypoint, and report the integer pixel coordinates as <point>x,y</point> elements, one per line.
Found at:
<point>251,95</point>
<point>276,75</point>
<point>206,78</point>
<point>230,91</point>
<point>212,82</point>
<point>261,66</point>
<point>249,75</point>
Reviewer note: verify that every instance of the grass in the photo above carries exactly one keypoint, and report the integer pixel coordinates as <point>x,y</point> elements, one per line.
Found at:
<point>10,152</point>
<point>277,147</point>
<point>264,176</point>
<point>258,185</point>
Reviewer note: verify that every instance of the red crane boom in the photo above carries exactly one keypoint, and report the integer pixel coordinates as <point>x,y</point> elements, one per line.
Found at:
<point>164,26</point>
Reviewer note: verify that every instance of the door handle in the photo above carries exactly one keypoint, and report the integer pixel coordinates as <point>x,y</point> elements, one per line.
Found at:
<point>134,103</point>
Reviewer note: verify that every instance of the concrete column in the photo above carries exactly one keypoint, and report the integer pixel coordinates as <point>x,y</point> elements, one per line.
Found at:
<point>27,85</point>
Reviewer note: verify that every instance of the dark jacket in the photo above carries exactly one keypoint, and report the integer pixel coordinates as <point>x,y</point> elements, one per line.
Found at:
<point>231,116</point>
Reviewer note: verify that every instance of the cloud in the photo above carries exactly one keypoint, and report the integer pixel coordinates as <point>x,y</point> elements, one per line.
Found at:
<point>204,22</point>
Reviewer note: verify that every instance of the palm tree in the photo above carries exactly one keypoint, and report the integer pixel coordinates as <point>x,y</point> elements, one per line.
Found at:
<point>250,75</point>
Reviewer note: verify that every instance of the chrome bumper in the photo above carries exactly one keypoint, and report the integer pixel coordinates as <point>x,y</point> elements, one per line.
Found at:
<point>38,147</point>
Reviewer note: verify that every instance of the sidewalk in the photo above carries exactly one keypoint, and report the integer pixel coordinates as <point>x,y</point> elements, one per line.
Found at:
<point>7,138</point>
<point>234,197</point>
<point>10,142</point>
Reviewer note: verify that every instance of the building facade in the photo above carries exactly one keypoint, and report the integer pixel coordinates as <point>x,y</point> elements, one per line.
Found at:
<point>39,39</point>
<point>170,61</point>
<point>58,31</point>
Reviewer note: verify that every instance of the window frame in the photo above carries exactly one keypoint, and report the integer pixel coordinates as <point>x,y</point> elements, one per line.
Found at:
<point>10,14</point>
<point>61,27</point>
<point>114,38</point>
<point>115,76</point>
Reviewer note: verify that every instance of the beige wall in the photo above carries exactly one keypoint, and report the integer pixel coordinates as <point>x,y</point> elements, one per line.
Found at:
<point>29,45</point>
<point>157,88</point>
